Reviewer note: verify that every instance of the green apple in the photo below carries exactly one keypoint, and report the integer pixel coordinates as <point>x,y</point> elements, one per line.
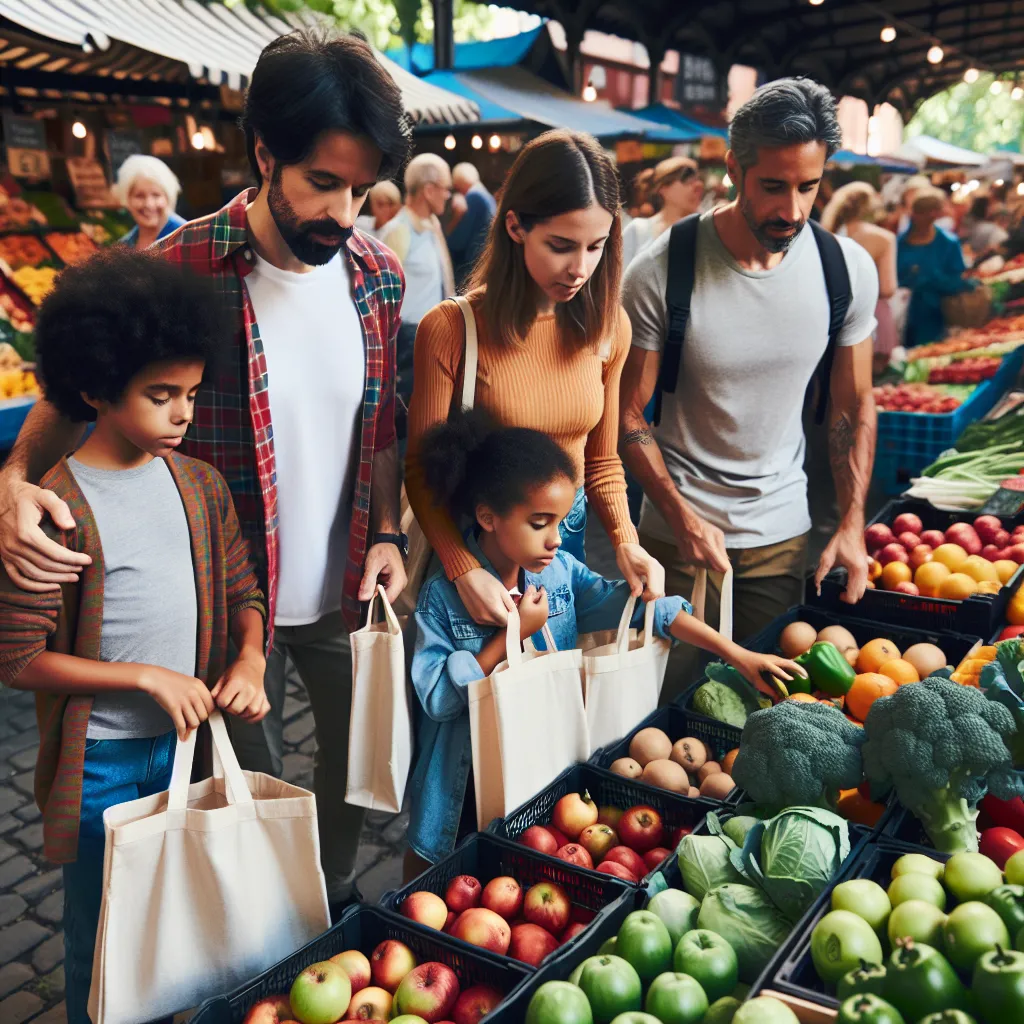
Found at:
<point>864,898</point>
<point>320,994</point>
<point>918,864</point>
<point>610,985</point>
<point>710,960</point>
<point>972,929</point>
<point>971,876</point>
<point>635,1017</point>
<point>765,1010</point>
<point>917,920</point>
<point>722,1011</point>
<point>644,941</point>
<point>917,887</point>
<point>678,910</point>
<point>839,941</point>
<point>408,1018</point>
<point>607,947</point>
<point>676,998</point>
<point>1014,869</point>
<point>558,1001</point>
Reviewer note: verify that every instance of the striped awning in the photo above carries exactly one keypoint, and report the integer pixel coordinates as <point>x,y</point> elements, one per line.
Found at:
<point>171,40</point>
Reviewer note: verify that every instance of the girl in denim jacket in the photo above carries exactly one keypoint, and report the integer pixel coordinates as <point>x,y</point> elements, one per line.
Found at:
<point>516,485</point>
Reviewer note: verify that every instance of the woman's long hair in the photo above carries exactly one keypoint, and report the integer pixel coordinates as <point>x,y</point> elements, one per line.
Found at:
<point>556,173</point>
<point>855,201</point>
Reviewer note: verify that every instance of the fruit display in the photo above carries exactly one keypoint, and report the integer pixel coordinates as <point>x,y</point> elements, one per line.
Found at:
<point>71,246</point>
<point>916,397</point>
<point>19,251</point>
<point>14,313</point>
<point>35,282</point>
<point>965,371</point>
<point>16,211</point>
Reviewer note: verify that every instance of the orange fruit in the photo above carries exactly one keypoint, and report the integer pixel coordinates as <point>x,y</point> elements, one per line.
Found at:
<point>988,587</point>
<point>855,807</point>
<point>980,569</point>
<point>952,556</point>
<point>804,698</point>
<point>895,572</point>
<point>875,654</point>
<point>1015,609</point>
<point>875,568</point>
<point>929,578</point>
<point>865,689</point>
<point>1005,568</point>
<point>900,672</point>
<point>958,586</point>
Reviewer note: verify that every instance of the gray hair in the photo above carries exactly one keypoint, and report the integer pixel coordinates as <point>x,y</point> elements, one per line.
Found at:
<point>152,169</point>
<point>787,112</point>
<point>423,169</point>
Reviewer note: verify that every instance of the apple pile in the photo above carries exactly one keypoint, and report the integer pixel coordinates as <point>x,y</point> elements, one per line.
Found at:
<point>915,397</point>
<point>389,985</point>
<point>625,844</point>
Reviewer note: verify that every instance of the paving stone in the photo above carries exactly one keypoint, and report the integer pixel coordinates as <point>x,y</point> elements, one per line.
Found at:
<point>51,909</point>
<point>20,741</point>
<point>20,1007</point>
<point>297,731</point>
<point>58,1015</point>
<point>379,879</point>
<point>49,954</point>
<point>25,782</point>
<point>25,759</point>
<point>8,823</point>
<point>25,720</point>
<point>28,813</point>
<point>52,986</point>
<point>31,837</point>
<point>13,976</point>
<point>10,799</point>
<point>11,908</point>
<point>6,850</point>
<point>19,938</point>
<point>14,870</point>
<point>39,885</point>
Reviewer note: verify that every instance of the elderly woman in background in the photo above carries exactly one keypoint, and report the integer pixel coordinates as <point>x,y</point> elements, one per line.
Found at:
<point>149,190</point>
<point>853,211</point>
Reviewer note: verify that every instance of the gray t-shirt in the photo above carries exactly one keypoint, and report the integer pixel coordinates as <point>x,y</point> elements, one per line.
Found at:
<point>732,432</point>
<point>149,588</point>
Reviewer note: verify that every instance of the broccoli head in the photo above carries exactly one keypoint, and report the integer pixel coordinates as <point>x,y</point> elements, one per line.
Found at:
<point>942,746</point>
<point>797,754</point>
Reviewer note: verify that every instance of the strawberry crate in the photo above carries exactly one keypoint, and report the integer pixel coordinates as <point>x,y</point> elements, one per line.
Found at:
<point>364,927</point>
<point>598,896</point>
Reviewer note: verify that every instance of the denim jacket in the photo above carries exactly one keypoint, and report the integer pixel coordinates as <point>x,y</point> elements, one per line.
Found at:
<point>444,664</point>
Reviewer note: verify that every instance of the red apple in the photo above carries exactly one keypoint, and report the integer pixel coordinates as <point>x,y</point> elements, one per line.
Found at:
<point>503,895</point>
<point>653,858</point>
<point>597,840</point>
<point>893,553</point>
<point>991,551</point>
<point>475,1003</point>
<point>452,918</point>
<point>1001,539</point>
<point>987,527</point>
<point>425,908</point>
<point>570,933</point>
<point>463,892</point>
<point>573,853</point>
<point>548,905</point>
<point>933,538</point>
<point>356,966</point>
<point>531,943</point>
<point>907,523</point>
<point>609,815</point>
<point>428,991</point>
<point>539,838</point>
<point>1015,553</point>
<point>877,536</point>
<point>390,962</point>
<point>919,555</point>
<point>629,859</point>
<point>370,1004</point>
<point>484,928</point>
<point>271,1010</point>
<point>573,813</point>
<point>559,837</point>
<point>906,587</point>
<point>909,540</point>
<point>641,828</point>
<point>965,535</point>
<point>677,835</point>
<point>616,870</point>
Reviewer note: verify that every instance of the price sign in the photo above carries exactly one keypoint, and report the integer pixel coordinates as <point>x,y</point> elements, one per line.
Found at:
<point>120,146</point>
<point>25,141</point>
<point>28,164</point>
<point>90,183</point>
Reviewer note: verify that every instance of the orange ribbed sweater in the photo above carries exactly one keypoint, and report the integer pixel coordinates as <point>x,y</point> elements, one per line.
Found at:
<point>571,395</point>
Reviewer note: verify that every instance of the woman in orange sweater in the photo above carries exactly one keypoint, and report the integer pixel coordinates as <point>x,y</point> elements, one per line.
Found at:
<point>552,341</point>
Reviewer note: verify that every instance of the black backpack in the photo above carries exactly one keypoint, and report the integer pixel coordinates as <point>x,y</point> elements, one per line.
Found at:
<point>682,258</point>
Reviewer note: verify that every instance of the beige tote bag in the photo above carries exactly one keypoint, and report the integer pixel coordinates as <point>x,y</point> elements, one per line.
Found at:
<point>420,551</point>
<point>204,887</point>
<point>380,734</point>
<point>527,724</point>
<point>622,681</point>
<point>698,600</point>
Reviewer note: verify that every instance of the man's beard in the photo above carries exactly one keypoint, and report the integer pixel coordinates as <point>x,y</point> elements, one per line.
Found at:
<point>298,235</point>
<point>772,243</point>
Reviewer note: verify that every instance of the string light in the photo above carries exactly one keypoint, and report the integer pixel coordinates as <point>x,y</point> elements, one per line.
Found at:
<point>494,142</point>
<point>1016,93</point>
<point>589,93</point>
<point>198,142</point>
<point>999,182</point>
<point>476,142</point>
<point>79,130</point>
<point>449,142</point>
<point>971,75</point>
<point>888,34</point>
<point>996,87</point>
<point>816,3</point>
<point>955,187</point>
<point>1020,189</point>
<point>935,54</point>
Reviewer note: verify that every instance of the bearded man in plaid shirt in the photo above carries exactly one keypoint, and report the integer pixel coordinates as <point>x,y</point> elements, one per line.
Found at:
<point>300,421</point>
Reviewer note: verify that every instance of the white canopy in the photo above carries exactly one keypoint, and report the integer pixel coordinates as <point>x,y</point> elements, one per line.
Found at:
<point>923,149</point>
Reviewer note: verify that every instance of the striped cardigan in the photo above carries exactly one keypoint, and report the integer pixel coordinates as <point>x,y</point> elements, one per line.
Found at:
<point>70,621</point>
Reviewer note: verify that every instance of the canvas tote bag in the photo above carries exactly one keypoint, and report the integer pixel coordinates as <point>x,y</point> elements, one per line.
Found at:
<point>527,724</point>
<point>204,887</point>
<point>420,551</point>
<point>622,680</point>
<point>380,735</point>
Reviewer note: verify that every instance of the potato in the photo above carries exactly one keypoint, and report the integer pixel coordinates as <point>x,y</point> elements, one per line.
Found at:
<point>717,786</point>
<point>627,767</point>
<point>666,774</point>
<point>840,636</point>
<point>649,745</point>
<point>689,752</point>
<point>693,792</point>
<point>708,768</point>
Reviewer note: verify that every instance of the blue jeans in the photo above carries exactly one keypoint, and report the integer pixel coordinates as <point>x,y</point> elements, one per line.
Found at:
<point>115,771</point>
<point>573,528</point>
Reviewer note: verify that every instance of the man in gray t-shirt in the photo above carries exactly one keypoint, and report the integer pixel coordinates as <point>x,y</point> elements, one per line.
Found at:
<point>723,472</point>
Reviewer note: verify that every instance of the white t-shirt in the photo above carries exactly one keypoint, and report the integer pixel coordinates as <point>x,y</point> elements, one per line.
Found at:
<point>316,370</point>
<point>732,432</point>
<point>636,237</point>
<point>416,245</point>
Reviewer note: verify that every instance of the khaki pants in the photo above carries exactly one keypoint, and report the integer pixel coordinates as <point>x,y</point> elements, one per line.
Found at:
<point>321,653</point>
<point>766,582</point>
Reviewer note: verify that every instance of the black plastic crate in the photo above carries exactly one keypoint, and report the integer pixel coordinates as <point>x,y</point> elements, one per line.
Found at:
<point>604,788</point>
<point>903,827</point>
<point>364,927</point>
<point>794,970</point>
<point>980,614</point>
<point>677,723</point>
<point>489,856</point>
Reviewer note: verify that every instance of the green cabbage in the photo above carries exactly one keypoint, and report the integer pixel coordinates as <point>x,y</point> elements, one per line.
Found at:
<point>748,921</point>
<point>704,862</point>
<point>727,696</point>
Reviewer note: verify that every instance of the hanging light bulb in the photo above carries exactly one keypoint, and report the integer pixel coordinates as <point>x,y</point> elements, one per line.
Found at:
<point>816,3</point>
<point>1016,93</point>
<point>955,187</point>
<point>589,93</point>
<point>999,182</point>
<point>476,142</point>
<point>198,142</point>
<point>449,142</point>
<point>79,130</point>
<point>935,54</point>
<point>996,87</point>
<point>1020,189</point>
<point>971,75</point>
<point>888,34</point>
<point>494,142</point>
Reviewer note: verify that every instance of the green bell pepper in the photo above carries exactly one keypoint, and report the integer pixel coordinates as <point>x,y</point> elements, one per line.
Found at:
<point>919,980</point>
<point>998,984</point>
<point>828,669</point>
<point>868,978</point>
<point>948,1017</point>
<point>1008,902</point>
<point>868,1009</point>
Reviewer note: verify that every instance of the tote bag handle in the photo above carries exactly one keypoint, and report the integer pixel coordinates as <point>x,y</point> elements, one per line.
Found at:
<point>394,626</point>
<point>513,649</point>
<point>472,353</point>
<point>698,601</point>
<point>622,637</point>
<point>225,766</point>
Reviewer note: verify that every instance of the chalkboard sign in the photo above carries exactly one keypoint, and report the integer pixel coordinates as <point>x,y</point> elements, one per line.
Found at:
<point>120,146</point>
<point>23,133</point>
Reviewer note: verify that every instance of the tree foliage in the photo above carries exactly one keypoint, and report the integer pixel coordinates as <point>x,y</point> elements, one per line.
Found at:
<point>970,115</point>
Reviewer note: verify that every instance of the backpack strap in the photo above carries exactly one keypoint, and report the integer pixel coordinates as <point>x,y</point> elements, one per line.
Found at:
<point>837,284</point>
<point>682,262</point>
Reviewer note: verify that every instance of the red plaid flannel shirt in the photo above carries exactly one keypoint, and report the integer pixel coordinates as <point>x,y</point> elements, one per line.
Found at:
<point>232,430</point>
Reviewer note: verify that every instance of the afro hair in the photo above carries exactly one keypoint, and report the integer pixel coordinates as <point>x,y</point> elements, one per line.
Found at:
<point>115,314</point>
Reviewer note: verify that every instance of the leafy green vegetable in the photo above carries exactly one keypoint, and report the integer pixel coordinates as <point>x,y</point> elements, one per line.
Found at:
<point>748,921</point>
<point>704,863</point>
<point>727,696</point>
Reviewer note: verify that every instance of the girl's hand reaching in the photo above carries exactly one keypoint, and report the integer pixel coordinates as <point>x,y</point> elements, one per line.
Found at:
<point>533,611</point>
<point>766,671</point>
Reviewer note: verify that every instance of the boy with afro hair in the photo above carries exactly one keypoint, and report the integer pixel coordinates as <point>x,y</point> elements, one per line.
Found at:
<point>135,654</point>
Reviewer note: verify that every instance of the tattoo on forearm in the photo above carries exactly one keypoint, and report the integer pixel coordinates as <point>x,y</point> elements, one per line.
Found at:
<point>840,446</point>
<point>641,436</point>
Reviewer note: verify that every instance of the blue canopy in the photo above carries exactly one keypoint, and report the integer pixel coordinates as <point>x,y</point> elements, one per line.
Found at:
<point>679,122</point>
<point>889,164</point>
<point>492,53</point>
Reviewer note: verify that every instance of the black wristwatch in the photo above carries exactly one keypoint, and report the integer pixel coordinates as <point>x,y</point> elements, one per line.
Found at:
<point>400,540</point>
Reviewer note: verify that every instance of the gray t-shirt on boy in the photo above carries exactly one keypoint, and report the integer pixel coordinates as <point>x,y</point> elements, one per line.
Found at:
<point>149,588</point>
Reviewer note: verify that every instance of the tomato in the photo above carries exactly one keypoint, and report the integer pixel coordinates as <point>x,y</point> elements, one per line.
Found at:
<point>1000,844</point>
<point>1008,813</point>
<point>1011,632</point>
<point>559,1002</point>
<point>610,985</point>
<point>645,942</point>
